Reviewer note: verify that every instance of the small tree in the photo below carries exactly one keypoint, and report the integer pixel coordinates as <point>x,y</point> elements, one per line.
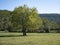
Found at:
<point>49,25</point>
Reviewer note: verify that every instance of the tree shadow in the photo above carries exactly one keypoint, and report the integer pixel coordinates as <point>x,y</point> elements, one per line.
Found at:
<point>11,35</point>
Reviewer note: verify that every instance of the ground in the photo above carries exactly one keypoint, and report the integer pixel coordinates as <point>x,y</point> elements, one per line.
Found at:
<point>30,39</point>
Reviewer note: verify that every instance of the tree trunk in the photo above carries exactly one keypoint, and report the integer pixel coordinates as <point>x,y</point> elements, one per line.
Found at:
<point>47,30</point>
<point>24,31</point>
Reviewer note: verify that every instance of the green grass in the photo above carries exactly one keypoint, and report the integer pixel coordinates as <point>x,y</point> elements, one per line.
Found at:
<point>30,39</point>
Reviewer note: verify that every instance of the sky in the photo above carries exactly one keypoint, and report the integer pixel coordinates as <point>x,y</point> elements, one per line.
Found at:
<point>43,6</point>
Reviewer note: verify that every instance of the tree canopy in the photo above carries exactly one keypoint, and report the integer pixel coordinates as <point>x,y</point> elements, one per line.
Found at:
<point>26,17</point>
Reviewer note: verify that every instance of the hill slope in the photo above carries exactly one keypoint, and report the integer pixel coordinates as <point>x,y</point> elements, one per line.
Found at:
<point>52,17</point>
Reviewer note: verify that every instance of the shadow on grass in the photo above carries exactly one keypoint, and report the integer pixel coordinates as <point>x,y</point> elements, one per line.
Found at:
<point>11,35</point>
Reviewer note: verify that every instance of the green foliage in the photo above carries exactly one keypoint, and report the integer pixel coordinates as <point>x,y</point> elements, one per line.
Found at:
<point>50,25</point>
<point>27,17</point>
<point>4,19</point>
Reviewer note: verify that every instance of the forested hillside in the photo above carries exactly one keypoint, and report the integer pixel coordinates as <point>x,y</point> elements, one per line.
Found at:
<point>52,17</point>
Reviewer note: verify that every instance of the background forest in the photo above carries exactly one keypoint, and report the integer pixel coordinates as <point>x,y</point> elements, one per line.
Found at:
<point>25,19</point>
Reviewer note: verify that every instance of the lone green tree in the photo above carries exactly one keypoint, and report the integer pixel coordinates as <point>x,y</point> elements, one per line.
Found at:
<point>27,18</point>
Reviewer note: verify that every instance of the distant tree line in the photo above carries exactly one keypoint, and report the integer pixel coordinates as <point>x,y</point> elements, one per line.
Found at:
<point>25,19</point>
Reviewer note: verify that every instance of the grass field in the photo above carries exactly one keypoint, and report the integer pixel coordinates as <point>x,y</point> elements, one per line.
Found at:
<point>30,39</point>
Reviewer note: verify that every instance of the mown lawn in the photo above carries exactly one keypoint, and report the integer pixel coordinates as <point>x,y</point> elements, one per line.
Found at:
<point>30,39</point>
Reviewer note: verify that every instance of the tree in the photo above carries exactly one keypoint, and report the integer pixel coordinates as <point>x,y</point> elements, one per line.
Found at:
<point>27,18</point>
<point>49,25</point>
